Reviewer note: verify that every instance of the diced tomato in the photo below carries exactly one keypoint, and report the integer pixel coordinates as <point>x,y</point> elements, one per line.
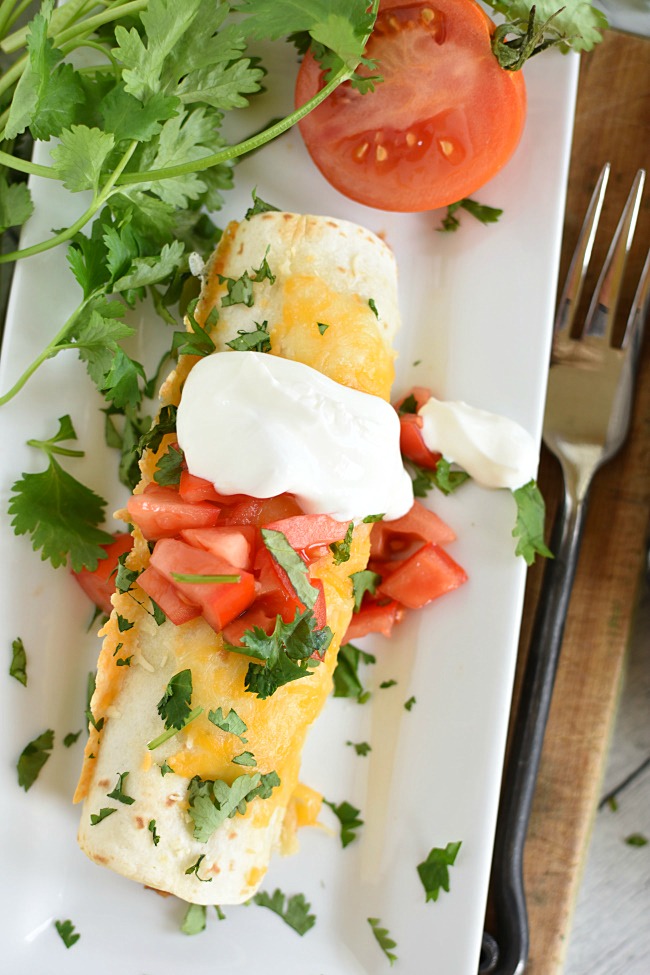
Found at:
<point>219,602</point>
<point>255,616</point>
<point>373,618</point>
<point>165,594</point>
<point>160,512</point>
<point>277,595</point>
<point>234,544</point>
<point>305,532</point>
<point>100,584</point>
<point>260,511</point>
<point>428,573</point>
<point>412,445</point>
<point>193,489</point>
<point>388,538</point>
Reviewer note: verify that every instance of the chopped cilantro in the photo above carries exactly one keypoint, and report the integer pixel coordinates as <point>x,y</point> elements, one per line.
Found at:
<point>103,813</point>
<point>408,405</point>
<point>363,582</point>
<point>71,738</point>
<point>170,467</point>
<point>152,829</point>
<point>245,758</point>
<point>165,768</point>
<point>124,624</point>
<point>118,792</point>
<point>124,661</point>
<point>361,747</point>
<point>230,722</point>
<point>259,206</point>
<point>483,213</point>
<point>166,423</point>
<point>174,705</point>
<point>346,675</point>
<point>289,560</point>
<point>124,577</point>
<point>348,817</point>
<point>203,579</point>
<point>239,291</point>
<point>434,871</point>
<point>90,690</point>
<point>196,341</point>
<point>373,307</point>
<point>210,802</point>
<point>220,914</point>
<point>370,519</point>
<point>256,340</point>
<point>18,665</point>
<point>388,683</point>
<point>529,527</point>
<point>294,911</point>
<point>194,869</point>
<point>33,757</point>
<point>195,919</point>
<point>383,938</point>
<point>409,704</point>
<point>171,732</point>
<point>67,933</point>
<point>341,550</point>
<point>322,327</point>
<point>636,839</point>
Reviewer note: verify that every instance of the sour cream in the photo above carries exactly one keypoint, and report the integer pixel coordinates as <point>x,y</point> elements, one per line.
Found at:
<point>254,423</point>
<point>494,450</point>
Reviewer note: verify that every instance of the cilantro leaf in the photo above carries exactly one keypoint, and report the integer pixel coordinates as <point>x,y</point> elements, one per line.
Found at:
<point>71,738</point>
<point>104,813</point>
<point>294,911</point>
<point>18,665</point>
<point>67,933</point>
<point>33,757</point>
<point>383,938</point>
<point>636,839</point>
<point>444,478</point>
<point>154,835</point>
<point>341,550</point>
<point>239,291</point>
<point>170,466</point>
<point>348,818</point>
<point>118,792</point>
<point>256,340</point>
<point>122,381</point>
<point>480,211</point>
<point>529,527</point>
<point>195,919</point>
<point>361,747</point>
<point>146,271</point>
<point>363,582</point>
<point>259,206</point>
<point>346,677</point>
<point>575,24</point>
<point>289,560</point>
<point>96,336</point>
<point>245,758</point>
<point>408,705</point>
<point>129,118</point>
<point>166,423</point>
<point>285,652</point>
<point>81,156</point>
<point>194,869</point>
<point>197,341</point>
<point>59,513</point>
<point>434,871</point>
<point>230,722</point>
<point>211,803</point>
<point>16,204</point>
<point>174,706</point>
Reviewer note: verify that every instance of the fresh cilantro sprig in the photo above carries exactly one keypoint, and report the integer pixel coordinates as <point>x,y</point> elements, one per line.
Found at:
<point>482,213</point>
<point>434,871</point>
<point>174,706</point>
<point>294,910</point>
<point>67,933</point>
<point>383,938</point>
<point>212,802</point>
<point>348,818</point>
<point>33,757</point>
<point>572,25</point>
<point>60,514</point>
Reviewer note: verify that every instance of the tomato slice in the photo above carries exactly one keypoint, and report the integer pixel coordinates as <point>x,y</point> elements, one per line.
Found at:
<point>160,512</point>
<point>306,532</point>
<point>166,595</point>
<point>234,544</point>
<point>428,573</point>
<point>219,602</point>
<point>373,618</point>
<point>445,119</point>
<point>100,584</point>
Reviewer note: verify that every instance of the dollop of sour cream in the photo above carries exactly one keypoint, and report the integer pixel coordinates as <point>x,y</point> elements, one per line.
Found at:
<point>254,423</point>
<point>494,450</point>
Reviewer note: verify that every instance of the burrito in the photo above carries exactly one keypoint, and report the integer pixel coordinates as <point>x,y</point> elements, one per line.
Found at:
<point>273,443</point>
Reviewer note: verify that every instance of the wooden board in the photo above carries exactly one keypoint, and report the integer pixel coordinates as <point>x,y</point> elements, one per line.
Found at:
<point>612,123</point>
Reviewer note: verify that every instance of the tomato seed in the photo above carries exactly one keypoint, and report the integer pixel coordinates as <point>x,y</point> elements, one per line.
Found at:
<point>381,154</point>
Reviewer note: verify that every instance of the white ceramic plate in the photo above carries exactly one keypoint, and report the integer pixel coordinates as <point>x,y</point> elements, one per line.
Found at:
<point>477,311</point>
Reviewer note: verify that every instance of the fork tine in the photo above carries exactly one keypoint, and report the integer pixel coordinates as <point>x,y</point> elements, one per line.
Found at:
<point>639,310</point>
<point>568,303</point>
<point>602,311</point>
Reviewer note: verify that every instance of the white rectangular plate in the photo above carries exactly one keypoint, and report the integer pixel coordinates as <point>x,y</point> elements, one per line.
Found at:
<point>477,312</point>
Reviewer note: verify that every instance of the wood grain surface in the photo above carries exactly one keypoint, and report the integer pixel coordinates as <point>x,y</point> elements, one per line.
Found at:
<point>612,123</point>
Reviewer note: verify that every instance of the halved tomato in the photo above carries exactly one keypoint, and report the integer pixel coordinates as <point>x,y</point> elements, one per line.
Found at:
<point>445,119</point>
<point>428,573</point>
<point>160,512</point>
<point>100,584</point>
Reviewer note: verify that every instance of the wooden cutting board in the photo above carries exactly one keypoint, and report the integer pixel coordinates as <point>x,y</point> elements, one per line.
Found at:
<point>612,123</point>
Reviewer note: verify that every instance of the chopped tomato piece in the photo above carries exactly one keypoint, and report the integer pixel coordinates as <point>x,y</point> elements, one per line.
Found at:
<point>100,584</point>
<point>260,511</point>
<point>234,544</point>
<point>373,618</point>
<point>390,537</point>
<point>160,512</point>
<point>428,573</point>
<point>412,445</point>
<point>304,532</point>
<point>255,616</point>
<point>193,489</point>
<point>165,594</point>
<point>219,602</point>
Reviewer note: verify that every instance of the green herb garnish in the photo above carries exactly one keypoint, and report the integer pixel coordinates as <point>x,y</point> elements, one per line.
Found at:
<point>294,910</point>
<point>434,871</point>
<point>18,665</point>
<point>33,757</point>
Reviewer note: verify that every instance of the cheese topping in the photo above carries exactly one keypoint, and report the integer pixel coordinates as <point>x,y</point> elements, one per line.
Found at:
<point>257,424</point>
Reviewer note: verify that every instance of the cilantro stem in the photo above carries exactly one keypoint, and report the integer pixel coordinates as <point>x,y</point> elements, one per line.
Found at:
<point>189,577</point>
<point>12,74</point>
<point>50,448</point>
<point>24,166</point>
<point>7,15</point>
<point>166,735</point>
<point>89,26</point>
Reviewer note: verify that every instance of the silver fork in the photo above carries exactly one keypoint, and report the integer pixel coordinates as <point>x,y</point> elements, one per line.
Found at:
<point>588,407</point>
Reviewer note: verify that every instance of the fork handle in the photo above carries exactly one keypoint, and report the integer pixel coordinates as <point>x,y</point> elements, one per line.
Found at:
<point>509,954</point>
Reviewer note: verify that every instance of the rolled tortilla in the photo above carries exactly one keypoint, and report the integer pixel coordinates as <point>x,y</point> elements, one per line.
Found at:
<point>325,271</point>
